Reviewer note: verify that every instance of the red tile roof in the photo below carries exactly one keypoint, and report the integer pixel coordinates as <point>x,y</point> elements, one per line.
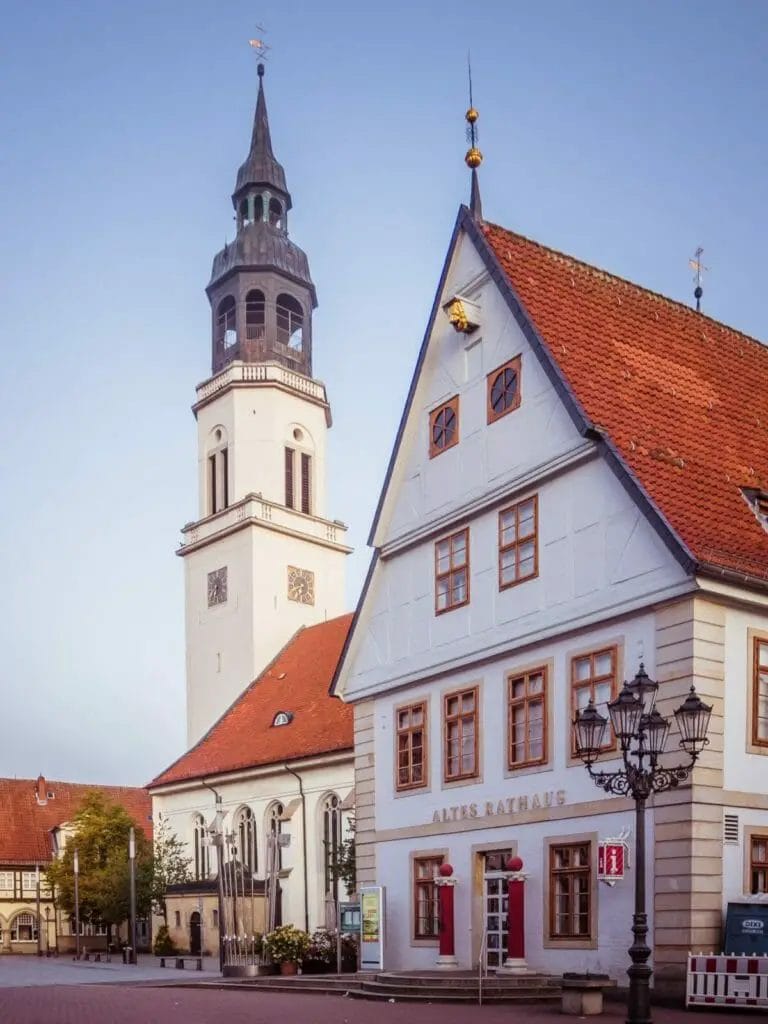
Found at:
<point>25,823</point>
<point>682,397</point>
<point>296,681</point>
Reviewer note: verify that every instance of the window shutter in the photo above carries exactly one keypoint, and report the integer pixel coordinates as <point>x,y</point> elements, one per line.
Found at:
<point>225,478</point>
<point>289,477</point>
<point>212,475</point>
<point>306,493</point>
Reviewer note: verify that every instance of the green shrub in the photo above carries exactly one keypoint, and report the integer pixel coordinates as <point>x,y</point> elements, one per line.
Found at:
<point>163,944</point>
<point>286,944</point>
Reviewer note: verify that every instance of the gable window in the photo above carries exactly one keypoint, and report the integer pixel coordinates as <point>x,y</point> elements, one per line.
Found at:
<point>504,390</point>
<point>452,571</point>
<point>444,427</point>
<point>527,716</point>
<point>758,864</point>
<point>518,542</point>
<point>411,746</point>
<point>425,904</point>
<point>570,895</point>
<point>593,677</point>
<point>760,693</point>
<point>460,735</point>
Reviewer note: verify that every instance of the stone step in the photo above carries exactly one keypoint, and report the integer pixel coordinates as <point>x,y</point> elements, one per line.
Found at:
<point>458,996</point>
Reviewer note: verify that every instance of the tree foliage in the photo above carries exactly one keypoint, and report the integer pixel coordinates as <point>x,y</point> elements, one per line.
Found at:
<point>101,831</point>
<point>344,866</point>
<point>170,864</point>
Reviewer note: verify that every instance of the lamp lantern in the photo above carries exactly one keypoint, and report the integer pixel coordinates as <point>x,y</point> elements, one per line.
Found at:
<point>692,718</point>
<point>589,730</point>
<point>625,711</point>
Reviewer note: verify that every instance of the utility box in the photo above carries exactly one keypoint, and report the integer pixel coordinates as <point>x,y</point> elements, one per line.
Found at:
<point>746,929</point>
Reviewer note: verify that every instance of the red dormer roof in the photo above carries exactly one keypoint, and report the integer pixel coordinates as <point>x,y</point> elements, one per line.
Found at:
<point>296,682</point>
<point>682,398</point>
<point>31,808</point>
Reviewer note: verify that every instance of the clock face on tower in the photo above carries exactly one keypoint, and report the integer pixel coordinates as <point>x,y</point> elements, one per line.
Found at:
<point>301,585</point>
<point>217,586</point>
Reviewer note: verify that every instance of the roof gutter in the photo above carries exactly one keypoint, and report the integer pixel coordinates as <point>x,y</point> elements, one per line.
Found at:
<point>743,579</point>
<point>303,841</point>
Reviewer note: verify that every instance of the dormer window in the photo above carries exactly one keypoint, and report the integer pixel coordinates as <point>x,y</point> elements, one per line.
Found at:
<point>282,718</point>
<point>758,502</point>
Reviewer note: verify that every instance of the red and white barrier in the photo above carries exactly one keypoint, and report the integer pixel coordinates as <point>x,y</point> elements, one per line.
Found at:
<point>718,980</point>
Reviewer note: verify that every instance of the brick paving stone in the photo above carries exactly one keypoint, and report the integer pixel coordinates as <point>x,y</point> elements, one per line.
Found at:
<point>142,1004</point>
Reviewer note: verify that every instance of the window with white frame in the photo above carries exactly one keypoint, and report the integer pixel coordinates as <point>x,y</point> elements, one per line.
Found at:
<point>6,881</point>
<point>24,928</point>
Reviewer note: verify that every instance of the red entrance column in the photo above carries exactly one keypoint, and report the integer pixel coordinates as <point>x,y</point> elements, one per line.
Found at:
<point>445,885</point>
<point>515,962</point>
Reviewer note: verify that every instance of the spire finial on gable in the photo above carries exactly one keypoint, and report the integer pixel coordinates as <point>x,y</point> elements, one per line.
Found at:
<point>473,157</point>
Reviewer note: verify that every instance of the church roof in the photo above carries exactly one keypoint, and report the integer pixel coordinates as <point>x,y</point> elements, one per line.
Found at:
<point>295,682</point>
<point>31,808</point>
<point>681,398</point>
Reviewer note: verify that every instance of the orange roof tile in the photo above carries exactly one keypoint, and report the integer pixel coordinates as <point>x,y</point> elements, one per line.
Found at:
<point>25,822</point>
<point>683,398</point>
<point>296,681</point>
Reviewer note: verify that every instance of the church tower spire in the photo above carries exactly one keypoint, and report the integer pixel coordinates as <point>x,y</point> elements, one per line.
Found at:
<point>262,559</point>
<point>261,292</point>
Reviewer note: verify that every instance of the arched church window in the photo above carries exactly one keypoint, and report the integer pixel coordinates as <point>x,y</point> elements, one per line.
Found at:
<point>200,847</point>
<point>275,213</point>
<point>254,315</point>
<point>290,322</point>
<point>331,844</point>
<point>275,826</point>
<point>243,212</point>
<point>258,209</point>
<point>246,839</point>
<point>226,333</point>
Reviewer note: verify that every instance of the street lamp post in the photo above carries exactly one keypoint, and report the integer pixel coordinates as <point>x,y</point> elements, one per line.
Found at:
<point>132,862</point>
<point>641,732</point>
<point>37,902</point>
<point>76,871</point>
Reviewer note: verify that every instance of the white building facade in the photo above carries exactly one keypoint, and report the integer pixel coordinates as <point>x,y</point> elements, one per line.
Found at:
<point>521,568</point>
<point>270,752</point>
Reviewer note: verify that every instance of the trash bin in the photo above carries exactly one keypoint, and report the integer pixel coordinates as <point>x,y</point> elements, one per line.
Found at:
<point>127,955</point>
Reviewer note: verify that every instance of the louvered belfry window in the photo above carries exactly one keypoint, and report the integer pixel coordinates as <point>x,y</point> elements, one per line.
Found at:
<point>289,500</point>
<point>306,483</point>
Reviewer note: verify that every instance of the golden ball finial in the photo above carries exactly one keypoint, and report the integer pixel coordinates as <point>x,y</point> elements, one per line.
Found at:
<point>473,158</point>
<point>472,115</point>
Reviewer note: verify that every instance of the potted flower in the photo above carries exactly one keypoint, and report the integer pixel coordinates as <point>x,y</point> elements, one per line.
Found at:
<point>286,946</point>
<point>320,957</point>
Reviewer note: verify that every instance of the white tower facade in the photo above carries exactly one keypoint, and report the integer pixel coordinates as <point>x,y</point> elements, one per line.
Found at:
<point>262,559</point>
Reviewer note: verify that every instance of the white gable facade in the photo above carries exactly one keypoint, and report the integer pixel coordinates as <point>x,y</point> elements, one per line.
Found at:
<point>601,593</point>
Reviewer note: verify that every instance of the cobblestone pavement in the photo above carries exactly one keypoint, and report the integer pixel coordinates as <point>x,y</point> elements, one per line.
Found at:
<point>145,1004</point>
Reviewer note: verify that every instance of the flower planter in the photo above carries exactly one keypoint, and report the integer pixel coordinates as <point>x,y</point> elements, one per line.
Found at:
<point>289,967</point>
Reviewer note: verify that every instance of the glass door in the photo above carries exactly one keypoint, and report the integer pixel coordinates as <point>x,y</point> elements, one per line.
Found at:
<point>495,906</point>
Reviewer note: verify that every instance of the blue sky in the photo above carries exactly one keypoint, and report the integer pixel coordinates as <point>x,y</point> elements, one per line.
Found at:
<point>625,134</point>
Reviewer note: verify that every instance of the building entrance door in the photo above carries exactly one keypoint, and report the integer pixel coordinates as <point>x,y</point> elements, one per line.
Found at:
<point>495,907</point>
<point>194,933</point>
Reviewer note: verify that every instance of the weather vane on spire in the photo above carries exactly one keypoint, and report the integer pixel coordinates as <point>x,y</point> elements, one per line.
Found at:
<point>696,265</point>
<point>473,157</point>
<point>259,46</point>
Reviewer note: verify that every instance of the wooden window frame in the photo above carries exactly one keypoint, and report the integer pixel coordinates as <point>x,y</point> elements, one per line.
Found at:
<point>452,570</point>
<point>447,720</point>
<point>526,701</point>
<point>516,544</point>
<point>423,705</point>
<point>427,882</point>
<point>515,365</point>
<point>435,449</point>
<point>751,840</point>
<point>575,685</point>
<point>758,741</point>
<point>553,873</point>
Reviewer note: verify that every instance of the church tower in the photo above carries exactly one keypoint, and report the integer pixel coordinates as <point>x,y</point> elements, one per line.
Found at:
<point>262,559</point>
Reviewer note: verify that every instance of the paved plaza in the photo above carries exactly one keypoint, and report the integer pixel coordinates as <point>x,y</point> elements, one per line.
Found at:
<point>62,992</point>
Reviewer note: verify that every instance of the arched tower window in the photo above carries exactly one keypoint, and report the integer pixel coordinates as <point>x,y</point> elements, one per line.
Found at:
<point>275,213</point>
<point>258,208</point>
<point>200,847</point>
<point>290,321</point>
<point>275,826</point>
<point>254,315</point>
<point>246,839</point>
<point>226,332</point>
<point>331,844</point>
<point>244,213</point>
<point>218,471</point>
